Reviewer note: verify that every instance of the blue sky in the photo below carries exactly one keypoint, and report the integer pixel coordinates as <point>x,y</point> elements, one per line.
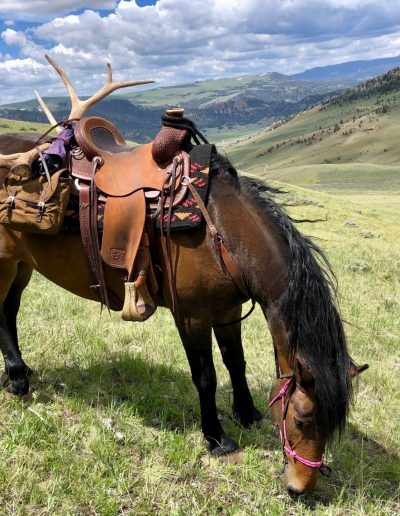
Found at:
<point>175,41</point>
<point>142,3</point>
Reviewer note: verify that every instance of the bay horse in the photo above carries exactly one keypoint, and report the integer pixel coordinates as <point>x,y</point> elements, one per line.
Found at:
<point>284,272</point>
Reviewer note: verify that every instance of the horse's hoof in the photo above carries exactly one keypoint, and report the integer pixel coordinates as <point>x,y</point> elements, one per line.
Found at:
<point>224,446</point>
<point>247,419</point>
<point>18,386</point>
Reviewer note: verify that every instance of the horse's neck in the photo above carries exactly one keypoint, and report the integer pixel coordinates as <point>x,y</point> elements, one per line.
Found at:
<point>253,239</point>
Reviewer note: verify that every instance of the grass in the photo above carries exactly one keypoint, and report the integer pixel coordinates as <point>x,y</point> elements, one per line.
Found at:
<point>16,126</point>
<point>112,423</point>
<point>345,177</point>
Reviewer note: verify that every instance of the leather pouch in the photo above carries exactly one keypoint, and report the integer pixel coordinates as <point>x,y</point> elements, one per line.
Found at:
<point>35,205</point>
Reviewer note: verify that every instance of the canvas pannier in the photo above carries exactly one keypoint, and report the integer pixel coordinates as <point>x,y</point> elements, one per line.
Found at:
<point>35,205</point>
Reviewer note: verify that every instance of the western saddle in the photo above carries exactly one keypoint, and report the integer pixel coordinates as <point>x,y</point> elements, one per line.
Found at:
<point>137,186</point>
<point>135,189</point>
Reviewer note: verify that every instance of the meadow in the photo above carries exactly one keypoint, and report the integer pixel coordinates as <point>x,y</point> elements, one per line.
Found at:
<point>112,423</point>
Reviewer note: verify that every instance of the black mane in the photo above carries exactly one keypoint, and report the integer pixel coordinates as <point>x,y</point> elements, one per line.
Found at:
<point>308,305</point>
<point>316,330</point>
<point>221,167</point>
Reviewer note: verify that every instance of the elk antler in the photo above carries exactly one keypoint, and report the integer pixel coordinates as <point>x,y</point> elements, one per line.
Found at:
<point>47,111</point>
<point>20,163</point>
<point>79,107</point>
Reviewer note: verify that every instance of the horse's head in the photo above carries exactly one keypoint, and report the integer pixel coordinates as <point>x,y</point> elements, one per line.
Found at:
<point>293,407</point>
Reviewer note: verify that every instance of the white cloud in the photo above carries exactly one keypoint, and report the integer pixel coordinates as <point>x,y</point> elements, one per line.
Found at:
<point>177,40</point>
<point>41,9</point>
<point>20,76</point>
<point>27,47</point>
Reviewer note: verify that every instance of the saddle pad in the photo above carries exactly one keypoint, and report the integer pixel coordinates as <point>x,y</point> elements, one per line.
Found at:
<point>187,215</point>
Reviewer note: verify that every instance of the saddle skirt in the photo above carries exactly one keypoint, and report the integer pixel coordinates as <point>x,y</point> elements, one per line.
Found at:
<point>136,190</point>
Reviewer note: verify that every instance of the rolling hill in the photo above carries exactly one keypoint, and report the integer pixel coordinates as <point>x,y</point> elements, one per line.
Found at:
<point>230,104</point>
<point>350,141</point>
<point>223,108</point>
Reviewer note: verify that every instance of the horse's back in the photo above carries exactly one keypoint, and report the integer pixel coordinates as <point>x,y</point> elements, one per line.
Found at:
<point>17,142</point>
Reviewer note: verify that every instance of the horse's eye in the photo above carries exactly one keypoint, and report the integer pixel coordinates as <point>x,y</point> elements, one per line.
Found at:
<point>299,424</point>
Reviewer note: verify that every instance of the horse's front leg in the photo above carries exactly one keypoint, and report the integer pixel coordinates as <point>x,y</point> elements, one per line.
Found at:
<point>14,279</point>
<point>230,343</point>
<point>196,338</point>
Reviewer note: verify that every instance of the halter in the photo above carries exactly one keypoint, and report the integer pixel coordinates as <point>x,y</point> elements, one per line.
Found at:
<point>285,441</point>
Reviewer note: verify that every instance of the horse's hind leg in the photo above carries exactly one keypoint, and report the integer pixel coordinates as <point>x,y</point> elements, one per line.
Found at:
<point>196,338</point>
<point>14,278</point>
<point>230,343</point>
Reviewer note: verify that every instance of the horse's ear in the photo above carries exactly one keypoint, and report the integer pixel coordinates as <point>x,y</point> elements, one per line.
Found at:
<point>302,372</point>
<point>355,370</point>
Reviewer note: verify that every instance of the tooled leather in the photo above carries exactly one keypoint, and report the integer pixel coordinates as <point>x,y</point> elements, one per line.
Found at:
<point>167,143</point>
<point>96,135</point>
<point>80,166</point>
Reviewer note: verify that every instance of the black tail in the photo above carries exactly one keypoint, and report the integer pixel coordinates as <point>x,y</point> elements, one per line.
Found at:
<point>310,314</point>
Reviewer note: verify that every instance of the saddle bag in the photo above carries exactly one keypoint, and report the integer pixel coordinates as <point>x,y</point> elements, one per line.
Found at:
<point>35,205</point>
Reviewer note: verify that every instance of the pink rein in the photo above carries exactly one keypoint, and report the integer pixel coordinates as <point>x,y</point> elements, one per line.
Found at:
<point>285,442</point>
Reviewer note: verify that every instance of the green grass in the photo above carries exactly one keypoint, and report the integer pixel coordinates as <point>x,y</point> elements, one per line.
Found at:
<point>15,126</point>
<point>112,424</point>
<point>356,177</point>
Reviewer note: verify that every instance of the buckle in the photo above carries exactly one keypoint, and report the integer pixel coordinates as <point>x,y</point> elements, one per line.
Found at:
<point>40,211</point>
<point>185,180</point>
<point>10,205</point>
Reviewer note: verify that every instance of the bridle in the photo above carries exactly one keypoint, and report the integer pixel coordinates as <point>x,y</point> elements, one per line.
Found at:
<point>283,396</point>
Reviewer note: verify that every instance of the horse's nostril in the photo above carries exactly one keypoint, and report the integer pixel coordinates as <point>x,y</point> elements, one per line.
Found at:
<point>294,493</point>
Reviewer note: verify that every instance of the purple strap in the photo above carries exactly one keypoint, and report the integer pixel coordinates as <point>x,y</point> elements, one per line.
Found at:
<point>61,143</point>
<point>285,442</point>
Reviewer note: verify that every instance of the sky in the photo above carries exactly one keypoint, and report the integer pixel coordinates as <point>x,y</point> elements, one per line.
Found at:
<point>180,41</point>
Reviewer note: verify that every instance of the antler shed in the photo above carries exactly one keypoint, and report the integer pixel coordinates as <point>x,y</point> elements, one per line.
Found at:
<point>20,163</point>
<point>78,106</point>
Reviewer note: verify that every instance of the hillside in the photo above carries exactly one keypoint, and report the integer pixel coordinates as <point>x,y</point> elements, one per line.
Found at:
<point>16,126</point>
<point>267,87</point>
<point>222,108</point>
<point>229,104</point>
<point>353,137</point>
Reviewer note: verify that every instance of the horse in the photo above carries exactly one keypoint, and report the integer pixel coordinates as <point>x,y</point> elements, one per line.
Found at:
<point>284,272</point>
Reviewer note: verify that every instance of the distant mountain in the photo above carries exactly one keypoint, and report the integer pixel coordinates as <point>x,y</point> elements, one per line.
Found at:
<point>351,70</point>
<point>267,86</point>
<point>228,104</point>
<point>240,101</point>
